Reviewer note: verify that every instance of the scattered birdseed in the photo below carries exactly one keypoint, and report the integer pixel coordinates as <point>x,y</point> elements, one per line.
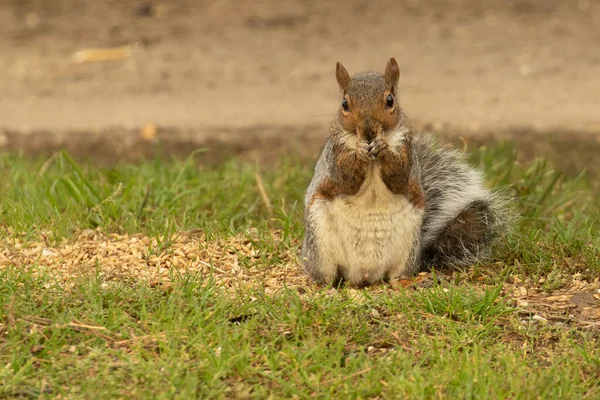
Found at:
<point>234,263</point>
<point>136,258</point>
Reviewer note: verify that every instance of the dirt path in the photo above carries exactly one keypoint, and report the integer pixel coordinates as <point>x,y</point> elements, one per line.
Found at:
<point>206,69</point>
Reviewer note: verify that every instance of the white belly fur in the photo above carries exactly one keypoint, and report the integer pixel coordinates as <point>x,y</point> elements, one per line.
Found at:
<point>369,234</point>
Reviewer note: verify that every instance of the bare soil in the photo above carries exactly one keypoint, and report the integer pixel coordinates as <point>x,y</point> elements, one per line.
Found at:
<point>256,78</point>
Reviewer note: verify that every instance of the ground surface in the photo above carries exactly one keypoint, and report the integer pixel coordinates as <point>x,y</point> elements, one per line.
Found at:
<point>174,280</point>
<point>178,279</point>
<point>245,77</point>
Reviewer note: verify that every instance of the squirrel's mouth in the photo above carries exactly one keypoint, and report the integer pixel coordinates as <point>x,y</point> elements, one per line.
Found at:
<point>369,136</point>
<point>369,131</point>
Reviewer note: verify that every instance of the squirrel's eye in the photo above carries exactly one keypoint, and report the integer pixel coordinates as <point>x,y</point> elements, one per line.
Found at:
<point>345,105</point>
<point>389,102</point>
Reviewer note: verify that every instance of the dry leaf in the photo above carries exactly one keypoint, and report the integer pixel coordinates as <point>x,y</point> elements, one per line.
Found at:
<point>99,55</point>
<point>148,131</point>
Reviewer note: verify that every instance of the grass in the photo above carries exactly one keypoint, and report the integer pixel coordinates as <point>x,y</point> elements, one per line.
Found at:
<point>469,337</point>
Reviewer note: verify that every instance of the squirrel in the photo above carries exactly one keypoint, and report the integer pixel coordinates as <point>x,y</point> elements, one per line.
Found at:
<point>385,201</point>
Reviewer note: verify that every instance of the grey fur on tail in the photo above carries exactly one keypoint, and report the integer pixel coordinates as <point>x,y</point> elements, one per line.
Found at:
<point>463,219</point>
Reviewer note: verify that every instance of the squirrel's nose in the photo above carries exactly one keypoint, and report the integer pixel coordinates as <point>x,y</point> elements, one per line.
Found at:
<point>369,130</point>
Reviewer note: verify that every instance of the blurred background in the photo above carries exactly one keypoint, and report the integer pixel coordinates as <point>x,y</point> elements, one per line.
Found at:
<point>114,79</point>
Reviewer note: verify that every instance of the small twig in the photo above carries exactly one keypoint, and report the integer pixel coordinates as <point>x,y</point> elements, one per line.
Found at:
<point>84,326</point>
<point>117,192</point>
<point>561,207</point>
<point>212,267</point>
<point>91,329</point>
<point>47,164</point>
<point>588,324</point>
<point>77,325</point>
<point>263,193</point>
<point>36,320</point>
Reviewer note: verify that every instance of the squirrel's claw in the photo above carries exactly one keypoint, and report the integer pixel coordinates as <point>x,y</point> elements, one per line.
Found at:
<point>362,150</point>
<point>377,148</point>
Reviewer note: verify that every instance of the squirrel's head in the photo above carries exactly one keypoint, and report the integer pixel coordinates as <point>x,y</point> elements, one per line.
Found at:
<point>369,105</point>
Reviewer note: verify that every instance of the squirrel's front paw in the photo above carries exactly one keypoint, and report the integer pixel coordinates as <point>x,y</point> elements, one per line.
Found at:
<point>378,148</point>
<point>362,150</point>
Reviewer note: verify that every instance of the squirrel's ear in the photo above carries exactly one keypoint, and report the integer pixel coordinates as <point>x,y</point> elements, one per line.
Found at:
<point>392,73</point>
<point>342,76</point>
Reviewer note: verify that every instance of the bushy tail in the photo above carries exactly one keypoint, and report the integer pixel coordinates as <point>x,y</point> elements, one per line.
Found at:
<point>463,219</point>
